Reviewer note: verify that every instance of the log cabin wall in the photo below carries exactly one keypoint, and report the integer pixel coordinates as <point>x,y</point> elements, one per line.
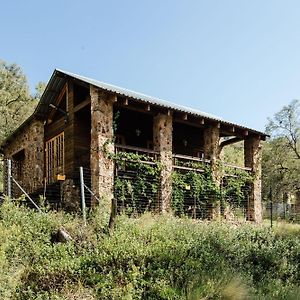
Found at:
<point>67,125</point>
<point>82,138</point>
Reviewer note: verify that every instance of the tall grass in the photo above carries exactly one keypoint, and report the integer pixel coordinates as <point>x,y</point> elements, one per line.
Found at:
<point>150,257</point>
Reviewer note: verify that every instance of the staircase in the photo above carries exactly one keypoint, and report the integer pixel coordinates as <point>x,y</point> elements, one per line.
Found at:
<point>53,196</point>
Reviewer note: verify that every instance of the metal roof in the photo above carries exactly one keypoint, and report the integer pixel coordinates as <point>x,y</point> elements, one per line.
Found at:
<point>59,78</point>
<point>140,96</point>
<point>153,100</point>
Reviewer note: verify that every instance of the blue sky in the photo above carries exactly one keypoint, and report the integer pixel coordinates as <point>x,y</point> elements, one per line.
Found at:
<point>239,59</point>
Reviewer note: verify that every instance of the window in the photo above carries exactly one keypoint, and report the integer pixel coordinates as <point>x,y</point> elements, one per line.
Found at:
<point>54,158</point>
<point>18,165</point>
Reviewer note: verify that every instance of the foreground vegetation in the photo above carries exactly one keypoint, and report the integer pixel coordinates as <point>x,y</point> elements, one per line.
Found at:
<point>150,257</point>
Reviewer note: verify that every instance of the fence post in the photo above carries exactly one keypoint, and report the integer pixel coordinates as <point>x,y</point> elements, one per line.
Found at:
<point>271,207</point>
<point>9,178</point>
<point>82,195</point>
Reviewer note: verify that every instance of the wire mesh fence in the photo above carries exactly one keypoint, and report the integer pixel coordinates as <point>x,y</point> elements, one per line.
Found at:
<point>137,190</point>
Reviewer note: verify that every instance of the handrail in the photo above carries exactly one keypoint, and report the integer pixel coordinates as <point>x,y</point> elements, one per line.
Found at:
<point>194,158</point>
<point>138,149</point>
<point>237,167</point>
<point>177,156</point>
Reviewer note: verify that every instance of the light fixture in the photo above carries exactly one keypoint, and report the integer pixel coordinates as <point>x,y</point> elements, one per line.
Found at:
<point>185,142</point>
<point>138,132</point>
<point>61,111</point>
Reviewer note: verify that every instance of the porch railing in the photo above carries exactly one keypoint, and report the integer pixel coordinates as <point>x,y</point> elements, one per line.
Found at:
<point>180,161</point>
<point>189,163</point>
<point>137,150</point>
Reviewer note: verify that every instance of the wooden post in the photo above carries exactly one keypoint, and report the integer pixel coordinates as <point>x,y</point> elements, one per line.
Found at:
<point>82,195</point>
<point>9,178</point>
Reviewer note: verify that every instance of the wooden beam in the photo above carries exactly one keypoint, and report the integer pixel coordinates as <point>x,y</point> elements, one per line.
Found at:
<point>114,98</point>
<point>230,141</point>
<point>82,104</point>
<point>58,100</point>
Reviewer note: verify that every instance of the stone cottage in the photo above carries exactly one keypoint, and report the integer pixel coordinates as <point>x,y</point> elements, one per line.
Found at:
<point>74,122</point>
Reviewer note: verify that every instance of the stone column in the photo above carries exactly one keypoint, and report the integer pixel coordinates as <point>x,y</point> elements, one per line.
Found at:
<point>211,152</point>
<point>102,146</point>
<point>252,155</point>
<point>162,140</point>
<point>37,149</point>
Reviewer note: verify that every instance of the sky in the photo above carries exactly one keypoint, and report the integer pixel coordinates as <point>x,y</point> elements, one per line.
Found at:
<point>237,59</point>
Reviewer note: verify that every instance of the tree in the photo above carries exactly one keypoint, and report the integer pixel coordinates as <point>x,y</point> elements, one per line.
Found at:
<point>281,155</point>
<point>286,125</point>
<point>16,103</point>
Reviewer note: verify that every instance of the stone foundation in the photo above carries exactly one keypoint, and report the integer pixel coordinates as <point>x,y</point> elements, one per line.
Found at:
<point>70,196</point>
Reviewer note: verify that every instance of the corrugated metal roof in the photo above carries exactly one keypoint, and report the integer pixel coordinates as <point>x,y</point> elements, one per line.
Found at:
<point>140,96</point>
<point>153,100</point>
<point>57,81</point>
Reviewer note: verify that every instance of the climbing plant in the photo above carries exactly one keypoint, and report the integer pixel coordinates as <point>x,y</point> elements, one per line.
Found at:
<point>136,182</point>
<point>235,186</point>
<point>194,191</point>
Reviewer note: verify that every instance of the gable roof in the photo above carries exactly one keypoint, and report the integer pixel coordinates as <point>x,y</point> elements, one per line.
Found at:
<point>58,80</point>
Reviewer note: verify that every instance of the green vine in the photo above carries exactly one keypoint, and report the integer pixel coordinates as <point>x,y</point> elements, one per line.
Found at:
<point>235,186</point>
<point>194,192</point>
<point>136,182</point>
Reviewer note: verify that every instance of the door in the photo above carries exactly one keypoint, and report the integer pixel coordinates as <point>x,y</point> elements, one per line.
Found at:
<point>54,158</point>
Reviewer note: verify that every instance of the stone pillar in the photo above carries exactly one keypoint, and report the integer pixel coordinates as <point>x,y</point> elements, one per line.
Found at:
<point>37,149</point>
<point>162,140</point>
<point>211,152</point>
<point>253,153</point>
<point>102,165</point>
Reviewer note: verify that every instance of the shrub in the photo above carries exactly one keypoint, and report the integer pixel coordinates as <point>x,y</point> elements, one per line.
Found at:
<point>150,257</point>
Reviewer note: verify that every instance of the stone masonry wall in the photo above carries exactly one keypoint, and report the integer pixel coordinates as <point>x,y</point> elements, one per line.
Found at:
<point>162,139</point>
<point>253,153</point>
<point>31,139</point>
<point>211,152</point>
<point>102,166</point>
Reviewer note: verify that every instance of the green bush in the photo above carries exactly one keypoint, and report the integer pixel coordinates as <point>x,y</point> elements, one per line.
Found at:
<point>150,257</point>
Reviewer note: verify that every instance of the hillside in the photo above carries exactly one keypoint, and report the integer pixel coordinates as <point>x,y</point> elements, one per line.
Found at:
<point>149,257</point>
